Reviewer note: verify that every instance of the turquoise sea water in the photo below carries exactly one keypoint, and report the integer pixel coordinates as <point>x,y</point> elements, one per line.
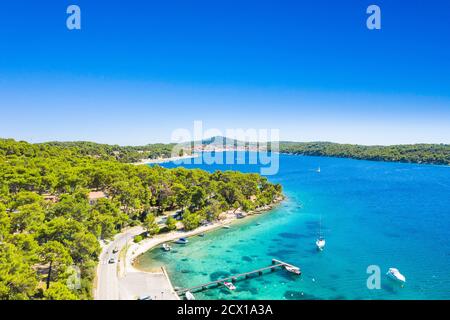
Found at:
<point>373,213</point>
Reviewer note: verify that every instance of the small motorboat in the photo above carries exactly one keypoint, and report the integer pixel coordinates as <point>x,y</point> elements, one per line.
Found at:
<point>226,226</point>
<point>189,295</point>
<point>182,241</point>
<point>201,235</point>
<point>394,274</point>
<point>293,269</point>
<point>229,285</point>
<point>166,247</point>
<point>320,243</point>
<point>318,170</point>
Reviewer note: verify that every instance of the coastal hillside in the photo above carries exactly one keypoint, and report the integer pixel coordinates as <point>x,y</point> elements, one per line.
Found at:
<point>415,153</point>
<point>58,201</point>
<point>125,154</point>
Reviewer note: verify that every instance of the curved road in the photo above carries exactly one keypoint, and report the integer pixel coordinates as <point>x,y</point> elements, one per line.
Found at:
<point>107,273</point>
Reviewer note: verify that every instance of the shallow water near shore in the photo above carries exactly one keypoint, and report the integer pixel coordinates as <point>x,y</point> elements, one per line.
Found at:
<point>373,213</point>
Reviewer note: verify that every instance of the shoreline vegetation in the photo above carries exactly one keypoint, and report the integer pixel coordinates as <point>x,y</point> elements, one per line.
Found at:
<point>154,153</point>
<point>438,154</point>
<point>58,203</point>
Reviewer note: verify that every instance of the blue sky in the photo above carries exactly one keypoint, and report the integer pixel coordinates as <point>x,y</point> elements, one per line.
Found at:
<point>137,70</point>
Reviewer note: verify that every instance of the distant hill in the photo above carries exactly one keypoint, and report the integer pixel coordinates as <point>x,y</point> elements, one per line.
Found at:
<point>126,154</point>
<point>414,153</point>
<point>219,141</point>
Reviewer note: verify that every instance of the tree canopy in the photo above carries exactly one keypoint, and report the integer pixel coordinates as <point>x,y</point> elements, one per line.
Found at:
<point>415,153</point>
<point>57,200</point>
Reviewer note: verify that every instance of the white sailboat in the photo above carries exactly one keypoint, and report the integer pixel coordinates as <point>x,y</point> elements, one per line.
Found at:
<point>320,242</point>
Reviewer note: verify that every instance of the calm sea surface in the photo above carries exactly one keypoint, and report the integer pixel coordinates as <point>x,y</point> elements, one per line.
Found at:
<point>373,213</point>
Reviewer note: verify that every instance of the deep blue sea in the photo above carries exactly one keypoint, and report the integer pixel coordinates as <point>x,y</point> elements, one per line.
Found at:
<point>372,213</point>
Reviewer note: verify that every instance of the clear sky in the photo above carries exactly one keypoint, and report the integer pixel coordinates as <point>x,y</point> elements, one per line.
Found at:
<point>137,70</point>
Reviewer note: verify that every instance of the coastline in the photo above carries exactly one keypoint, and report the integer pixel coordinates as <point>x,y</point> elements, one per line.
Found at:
<point>137,249</point>
<point>195,155</point>
<point>164,160</point>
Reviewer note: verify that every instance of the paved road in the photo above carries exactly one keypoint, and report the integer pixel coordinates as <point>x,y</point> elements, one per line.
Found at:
<point>107,273</point>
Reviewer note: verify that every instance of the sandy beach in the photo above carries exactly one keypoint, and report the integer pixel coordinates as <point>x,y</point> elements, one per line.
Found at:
<point>163,160</point>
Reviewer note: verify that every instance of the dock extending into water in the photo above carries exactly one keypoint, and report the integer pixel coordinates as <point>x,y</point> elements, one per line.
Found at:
<point>276,265</point>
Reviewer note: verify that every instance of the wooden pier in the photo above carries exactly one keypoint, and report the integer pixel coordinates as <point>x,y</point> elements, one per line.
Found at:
<point>276,265</point>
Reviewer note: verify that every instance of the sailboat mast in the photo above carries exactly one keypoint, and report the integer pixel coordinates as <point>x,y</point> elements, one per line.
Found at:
<point>320,226</point>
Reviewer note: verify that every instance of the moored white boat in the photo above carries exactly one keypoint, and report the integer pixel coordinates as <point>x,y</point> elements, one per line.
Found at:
<point>189,295</point>
<point>320,244</point>
<point>394,274</point>
<point>292,269</point>
<point>166,247</point>
<point>229,285</point>
<point>182,241</point>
